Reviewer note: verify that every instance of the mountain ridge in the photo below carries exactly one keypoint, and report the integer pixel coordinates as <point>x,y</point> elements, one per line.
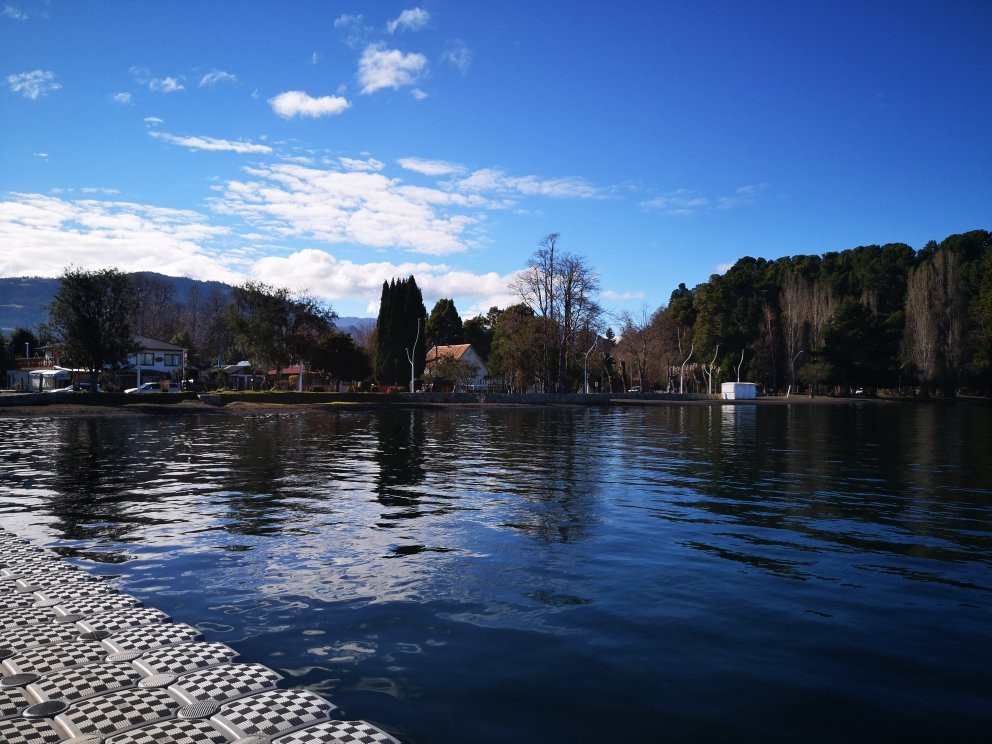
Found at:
<point>24,300</point>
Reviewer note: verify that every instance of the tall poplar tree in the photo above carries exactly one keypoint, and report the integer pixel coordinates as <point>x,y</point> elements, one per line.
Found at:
<point>399,329</point>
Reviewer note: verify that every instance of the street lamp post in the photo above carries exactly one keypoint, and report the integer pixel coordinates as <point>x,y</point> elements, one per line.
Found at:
<point>412,358</point>
<point>585,368</point>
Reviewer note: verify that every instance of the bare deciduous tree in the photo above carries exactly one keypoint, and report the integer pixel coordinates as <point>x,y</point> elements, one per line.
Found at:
<point>936,315</point>
<point>560,288</point>
<point>636,341</point>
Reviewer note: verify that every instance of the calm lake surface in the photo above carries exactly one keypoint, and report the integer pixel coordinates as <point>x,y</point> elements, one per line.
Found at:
<point>674,573</point>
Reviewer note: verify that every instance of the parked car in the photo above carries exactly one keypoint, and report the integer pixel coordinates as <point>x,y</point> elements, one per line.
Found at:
<point>154,387</point>
<point>634,389</point>
<point>84,387</point>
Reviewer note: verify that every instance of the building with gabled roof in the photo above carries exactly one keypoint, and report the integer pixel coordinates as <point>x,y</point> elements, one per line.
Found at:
<point>459,353</point>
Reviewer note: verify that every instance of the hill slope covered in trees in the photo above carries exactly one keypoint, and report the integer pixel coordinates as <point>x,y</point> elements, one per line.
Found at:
<point>870,317</point>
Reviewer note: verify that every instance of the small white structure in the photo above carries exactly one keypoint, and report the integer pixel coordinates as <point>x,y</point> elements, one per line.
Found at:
<point>739,391</point>
<point>48,379</point>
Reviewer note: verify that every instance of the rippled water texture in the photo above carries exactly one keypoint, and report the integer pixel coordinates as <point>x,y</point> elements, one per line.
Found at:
<point>772,573</point>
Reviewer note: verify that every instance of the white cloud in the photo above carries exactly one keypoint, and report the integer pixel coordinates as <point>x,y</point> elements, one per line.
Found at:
<point>723,268</point>
<point>211,143</point>
<point>33,84</point>
<point>380,68</point>
<point>122,98</point>
<point>41,155</point>
<point>431,167</point>
<point>352,164</point>
<point>325,275</point>
<point>314,58</point>
<point>98,190</point>
<point>351,207</point>
<point>418,94</point>
<point>609,294</point>
<point>297,103</point>
<point>345,20</point>
<point>496,180</point>
<point>458,56</point>
<point>217,76</point>
<point>742,195</point>
<point>52,233</point>
<point>16,13</point>
<point>356,27</point>
<point>686,202</point>
<point>300,159</point>
<point>679,203</point>
<point>411,19</point>
<point>153,121</point>
<point>165,85</point>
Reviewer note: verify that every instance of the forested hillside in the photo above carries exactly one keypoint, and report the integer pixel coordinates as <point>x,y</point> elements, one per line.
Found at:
<point>868,318</point>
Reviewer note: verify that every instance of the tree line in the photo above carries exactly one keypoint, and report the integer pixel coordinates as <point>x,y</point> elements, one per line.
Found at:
<point>869,318</point>
<point>877,317</point>
<point>95,317</point>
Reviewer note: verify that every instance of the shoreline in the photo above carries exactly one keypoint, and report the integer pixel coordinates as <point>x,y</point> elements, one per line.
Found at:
<point>279,402</point>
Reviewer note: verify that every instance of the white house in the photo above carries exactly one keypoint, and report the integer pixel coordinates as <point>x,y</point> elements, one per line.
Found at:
<point>460,353</point>
<point>156,359</point>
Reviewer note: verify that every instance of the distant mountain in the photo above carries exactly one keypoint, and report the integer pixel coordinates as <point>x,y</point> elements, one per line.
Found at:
<point>353,325</point>
<point>24,301</point>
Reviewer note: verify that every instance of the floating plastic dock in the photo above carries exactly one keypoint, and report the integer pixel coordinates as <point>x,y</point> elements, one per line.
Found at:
<point>84,663</point>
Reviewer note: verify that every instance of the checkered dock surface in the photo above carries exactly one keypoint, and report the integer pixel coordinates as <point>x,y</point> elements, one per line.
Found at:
<point>83,663</point>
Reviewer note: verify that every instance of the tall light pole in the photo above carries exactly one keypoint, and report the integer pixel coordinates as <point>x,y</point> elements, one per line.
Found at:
<point>585,367</point>
<point>412,359</point>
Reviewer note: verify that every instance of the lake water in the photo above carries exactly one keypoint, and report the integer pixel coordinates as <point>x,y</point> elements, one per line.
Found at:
<point>672,573</point>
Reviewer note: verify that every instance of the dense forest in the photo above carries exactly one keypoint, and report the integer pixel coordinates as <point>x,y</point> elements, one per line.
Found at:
<point>870,318</point>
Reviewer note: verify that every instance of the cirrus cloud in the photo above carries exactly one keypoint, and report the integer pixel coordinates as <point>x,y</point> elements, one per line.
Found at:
<point>430,167</point>
<point>217,76</point>
<point>210,143</point>
<point>496,180</point>
<point>678,203</point>
<point>458,56</point>
<point>33,84</point>
<point>411,19</point>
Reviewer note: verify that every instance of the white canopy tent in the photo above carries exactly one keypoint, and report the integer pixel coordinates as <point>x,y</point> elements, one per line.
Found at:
<point>47,379</point>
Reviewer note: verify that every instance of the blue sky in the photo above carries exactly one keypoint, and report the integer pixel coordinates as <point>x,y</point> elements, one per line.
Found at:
<point>327,146</point>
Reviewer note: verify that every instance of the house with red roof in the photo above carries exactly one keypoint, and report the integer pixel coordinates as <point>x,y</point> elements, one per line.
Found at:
<point>457,367</point>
